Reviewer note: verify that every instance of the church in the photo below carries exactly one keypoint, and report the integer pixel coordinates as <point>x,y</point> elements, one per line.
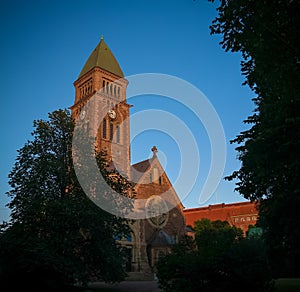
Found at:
<point>154,236</point>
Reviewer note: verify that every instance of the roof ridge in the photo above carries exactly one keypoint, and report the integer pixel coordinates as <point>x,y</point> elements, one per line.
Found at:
<point>219,205</point>
<point>143,161</point>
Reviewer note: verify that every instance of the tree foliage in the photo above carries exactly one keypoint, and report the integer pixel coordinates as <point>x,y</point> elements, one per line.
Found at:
<point>56,232</point>
<point>266,33</point>
<point>219,259</point>
<point>214,237</point>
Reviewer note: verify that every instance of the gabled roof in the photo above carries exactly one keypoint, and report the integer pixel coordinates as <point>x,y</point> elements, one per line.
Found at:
<point>138,169</point>
<point>160,239</point>
<point>102,57</point>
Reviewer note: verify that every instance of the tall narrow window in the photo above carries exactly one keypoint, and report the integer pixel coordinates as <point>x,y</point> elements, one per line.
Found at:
<point>111,131</point>
<point>150,177</point>
<point>104,129</point>
<point>155,175</point>
<point>118,133</point>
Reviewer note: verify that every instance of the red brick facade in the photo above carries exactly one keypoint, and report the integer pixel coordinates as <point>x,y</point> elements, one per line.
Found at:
<point>240,215</point>
<point>158,233</point>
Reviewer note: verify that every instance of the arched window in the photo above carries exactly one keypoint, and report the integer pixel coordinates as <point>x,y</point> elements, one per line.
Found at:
<point>104,129</point>
<point>111,131</point>
<point>118,138</point>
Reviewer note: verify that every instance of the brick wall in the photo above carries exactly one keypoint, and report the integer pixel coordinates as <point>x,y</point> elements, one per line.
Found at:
<point>240,215</point>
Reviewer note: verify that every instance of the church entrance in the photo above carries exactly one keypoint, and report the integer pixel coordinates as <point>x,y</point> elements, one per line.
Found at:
<point>127,254</point>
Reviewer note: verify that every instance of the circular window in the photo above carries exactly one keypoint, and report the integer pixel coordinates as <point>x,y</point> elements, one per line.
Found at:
<point>157,211</point>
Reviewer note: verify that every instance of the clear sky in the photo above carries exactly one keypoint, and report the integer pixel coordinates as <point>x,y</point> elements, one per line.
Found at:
<point>44,45</point>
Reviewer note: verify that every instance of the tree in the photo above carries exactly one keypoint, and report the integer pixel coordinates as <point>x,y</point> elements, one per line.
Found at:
<point>223,260</point>
<point>266,33</point>
<point>215,237</point>
<point>245,266</point>
<point>56,232</point>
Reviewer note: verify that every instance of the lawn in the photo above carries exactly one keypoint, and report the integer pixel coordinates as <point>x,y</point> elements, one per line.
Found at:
<point>288,284</point>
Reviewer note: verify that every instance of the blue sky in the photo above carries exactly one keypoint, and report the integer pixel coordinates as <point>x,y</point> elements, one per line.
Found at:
<point>44,45</point>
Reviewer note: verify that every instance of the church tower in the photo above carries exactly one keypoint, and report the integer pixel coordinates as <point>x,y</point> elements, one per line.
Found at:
<point>102,76</point>
<point>101,108</point>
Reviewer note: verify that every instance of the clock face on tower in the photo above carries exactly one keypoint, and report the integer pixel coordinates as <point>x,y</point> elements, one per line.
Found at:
<point>112,114</point>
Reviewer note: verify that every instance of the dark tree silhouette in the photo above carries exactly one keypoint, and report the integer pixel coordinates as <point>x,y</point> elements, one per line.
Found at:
<point>266,33</point>
<point>219,259</point>
<point>57,236</point>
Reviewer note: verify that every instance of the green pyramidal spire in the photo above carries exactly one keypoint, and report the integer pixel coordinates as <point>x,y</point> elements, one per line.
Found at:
<point>102,57</point>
